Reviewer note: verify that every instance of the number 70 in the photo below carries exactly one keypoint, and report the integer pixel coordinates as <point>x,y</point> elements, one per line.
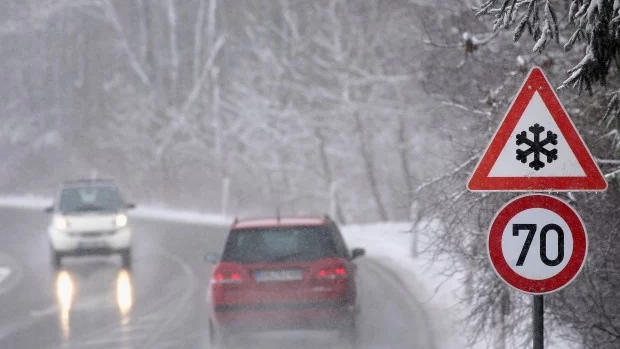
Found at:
<point>531,228</point>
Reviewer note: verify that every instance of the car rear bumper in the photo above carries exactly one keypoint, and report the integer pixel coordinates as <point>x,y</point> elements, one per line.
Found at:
<point>251,318</point>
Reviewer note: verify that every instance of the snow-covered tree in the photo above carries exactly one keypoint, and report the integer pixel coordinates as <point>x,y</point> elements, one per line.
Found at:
<point>594,23</point>
<point>476,68</point>
<point>225,105</point>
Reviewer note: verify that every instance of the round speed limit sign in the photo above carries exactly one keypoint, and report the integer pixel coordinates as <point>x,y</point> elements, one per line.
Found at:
<point>537,243</point>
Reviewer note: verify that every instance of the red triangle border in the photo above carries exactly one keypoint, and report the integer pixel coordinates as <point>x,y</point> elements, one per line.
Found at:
<point>480,180</point>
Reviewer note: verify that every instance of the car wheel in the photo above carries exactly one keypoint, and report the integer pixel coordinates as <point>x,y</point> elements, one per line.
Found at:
<point>56,258</point>
<point>211,334</point>
<point>349,335</point>
<point>222,341</point>
<point>218,339</point>
<point>126,258</point>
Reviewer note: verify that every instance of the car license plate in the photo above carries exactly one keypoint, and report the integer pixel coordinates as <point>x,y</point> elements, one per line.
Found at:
<point>279,275</point>
<point>91,244</point>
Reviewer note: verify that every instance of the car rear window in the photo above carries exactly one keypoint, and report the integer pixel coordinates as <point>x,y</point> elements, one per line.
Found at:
<point>280,244</point>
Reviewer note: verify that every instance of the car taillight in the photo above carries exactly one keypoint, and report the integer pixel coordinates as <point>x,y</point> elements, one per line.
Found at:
<point>332,273</point>
<point>228,273</point>
<point>226,278</point>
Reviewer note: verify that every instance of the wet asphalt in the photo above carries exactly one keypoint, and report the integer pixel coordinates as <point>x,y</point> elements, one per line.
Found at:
<point>93,303</point>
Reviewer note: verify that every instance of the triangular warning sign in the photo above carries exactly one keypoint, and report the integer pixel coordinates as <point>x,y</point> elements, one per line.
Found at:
<point>536,147</point>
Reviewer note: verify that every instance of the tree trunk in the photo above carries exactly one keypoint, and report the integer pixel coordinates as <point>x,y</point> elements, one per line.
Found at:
<point>367,158</point>
<point>414,207</point>
<point>335,210</point>
<point>225,194</point>
<point>404,158</point>
<point>170,185</point>
<point>198,27</point>
<point>414,215</point>
<point>174,52</point>
<point>144,33</point>
<point>503,312</point>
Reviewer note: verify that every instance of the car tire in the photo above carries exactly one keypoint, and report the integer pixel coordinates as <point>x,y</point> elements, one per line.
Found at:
<point>56,258</point>
<point>126,258</point>
<point>218,339</point>
<point>349,334</point>
<point>222,341</point>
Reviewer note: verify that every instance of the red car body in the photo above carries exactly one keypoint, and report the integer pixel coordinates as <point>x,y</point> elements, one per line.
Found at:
<point>315,289</point>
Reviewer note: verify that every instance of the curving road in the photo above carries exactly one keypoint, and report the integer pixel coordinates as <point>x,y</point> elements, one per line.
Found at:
<point>94,304</point>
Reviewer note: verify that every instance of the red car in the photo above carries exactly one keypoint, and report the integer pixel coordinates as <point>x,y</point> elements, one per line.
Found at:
<point>283,273</point>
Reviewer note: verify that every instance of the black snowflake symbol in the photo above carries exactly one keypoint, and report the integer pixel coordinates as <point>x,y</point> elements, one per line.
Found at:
<point>537,147</point>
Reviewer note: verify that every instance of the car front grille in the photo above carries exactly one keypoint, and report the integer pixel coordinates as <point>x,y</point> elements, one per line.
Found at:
<point>94,234</point>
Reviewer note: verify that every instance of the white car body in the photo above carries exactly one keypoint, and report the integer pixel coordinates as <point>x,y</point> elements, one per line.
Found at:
<point>89,232</point>
<point>89,217</point>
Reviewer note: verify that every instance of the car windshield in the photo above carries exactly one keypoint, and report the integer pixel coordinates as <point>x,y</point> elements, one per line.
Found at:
<point>104,198</point>
<point>279,245</point>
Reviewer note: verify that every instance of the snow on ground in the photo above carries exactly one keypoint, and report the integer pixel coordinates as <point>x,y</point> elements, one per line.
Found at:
<point>32,202</point>
<point>141,211</point>
<point>163,213</point>
<point>391,245</point>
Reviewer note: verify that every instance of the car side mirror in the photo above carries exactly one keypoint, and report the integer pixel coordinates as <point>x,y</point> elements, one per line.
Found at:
<point>49,209</point>
<point>212,258</point>
<point>357,252</point>
<point>130,206</point>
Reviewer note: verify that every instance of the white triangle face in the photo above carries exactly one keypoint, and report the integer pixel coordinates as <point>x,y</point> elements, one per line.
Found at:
<point>566,164</point>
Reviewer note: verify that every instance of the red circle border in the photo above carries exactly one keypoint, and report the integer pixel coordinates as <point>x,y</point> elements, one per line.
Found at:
<point>572,219</point>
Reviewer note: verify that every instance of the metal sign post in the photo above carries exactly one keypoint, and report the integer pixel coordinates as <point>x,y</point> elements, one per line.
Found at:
<point>538,312</point>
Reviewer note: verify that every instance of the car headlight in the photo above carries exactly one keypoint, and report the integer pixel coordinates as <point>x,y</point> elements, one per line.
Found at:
<point>61,223</point>
<point>120,220</point>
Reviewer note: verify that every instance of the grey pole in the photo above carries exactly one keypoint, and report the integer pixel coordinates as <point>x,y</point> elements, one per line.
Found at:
<point>538,325</point>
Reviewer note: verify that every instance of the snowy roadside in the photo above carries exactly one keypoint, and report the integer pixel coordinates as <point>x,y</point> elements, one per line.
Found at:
<point>390,244</point>
<point>28,202</point>
<point>142,211</point>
